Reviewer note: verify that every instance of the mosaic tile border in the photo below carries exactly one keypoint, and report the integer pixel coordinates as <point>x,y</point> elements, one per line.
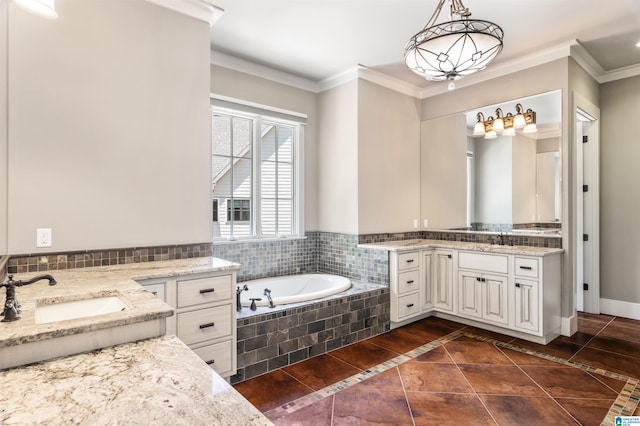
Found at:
<point>625,404</point>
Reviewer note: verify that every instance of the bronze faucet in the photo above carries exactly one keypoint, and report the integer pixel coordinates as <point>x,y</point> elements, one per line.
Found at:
<point>11,304</point>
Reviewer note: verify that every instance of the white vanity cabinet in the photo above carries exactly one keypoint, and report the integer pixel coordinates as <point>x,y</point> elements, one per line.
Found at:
<point>537,294</point>
<point>406,282</point>
<point>514,291</point>
<point>483,284</point>
<point>205,315</point>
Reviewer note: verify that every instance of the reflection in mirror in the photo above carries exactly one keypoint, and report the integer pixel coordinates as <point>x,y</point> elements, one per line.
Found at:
<point>514,182</point>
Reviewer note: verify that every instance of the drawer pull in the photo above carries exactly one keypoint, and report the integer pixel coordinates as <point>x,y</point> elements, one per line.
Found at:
<point>410,282</point>
<point>207,290</point>
<point>410,261</point>
<point>528,268</point>
<point>410,305</point>
<point>207,325</point>
<point>518,285</point>
<point>213,361</point>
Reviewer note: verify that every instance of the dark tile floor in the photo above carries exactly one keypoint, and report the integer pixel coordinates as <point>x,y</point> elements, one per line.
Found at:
<point>468,376</point>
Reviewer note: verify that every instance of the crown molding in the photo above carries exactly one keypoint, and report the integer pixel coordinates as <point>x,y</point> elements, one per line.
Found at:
<point>202,10</point>
<point>571,48</point>
<point>242,65</point>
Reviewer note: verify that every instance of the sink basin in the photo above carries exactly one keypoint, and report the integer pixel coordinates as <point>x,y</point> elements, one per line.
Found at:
<point>78,309</point>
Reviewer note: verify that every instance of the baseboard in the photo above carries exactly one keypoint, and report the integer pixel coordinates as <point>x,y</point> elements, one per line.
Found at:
<point>620,308</point>
<point>569,326</point>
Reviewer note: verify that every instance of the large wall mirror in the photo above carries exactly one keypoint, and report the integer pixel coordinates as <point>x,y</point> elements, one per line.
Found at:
<point>514,180</point>
<point>508,183</point>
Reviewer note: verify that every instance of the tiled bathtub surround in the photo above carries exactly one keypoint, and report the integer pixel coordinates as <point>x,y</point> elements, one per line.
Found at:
<point>268,341</point>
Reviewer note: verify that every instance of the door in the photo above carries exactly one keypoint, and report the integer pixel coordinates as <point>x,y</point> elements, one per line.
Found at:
<point>427,280</point>
<point>494,299</point>
<point>469,294</point>
<point>443,290</point>
<point>587,273</point>
<point>527,305</point>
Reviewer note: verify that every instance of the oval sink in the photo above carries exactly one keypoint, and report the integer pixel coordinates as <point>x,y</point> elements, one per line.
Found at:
<point>78,309</point>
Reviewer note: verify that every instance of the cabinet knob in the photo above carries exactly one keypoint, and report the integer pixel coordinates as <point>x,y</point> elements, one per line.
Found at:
<point>518,285</point>
<point>207,325</point>
<point>449,256</point>
<point>213,361</point>
<point>207,290</point>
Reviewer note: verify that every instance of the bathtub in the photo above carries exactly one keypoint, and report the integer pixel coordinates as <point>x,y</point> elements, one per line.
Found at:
<point>293,288</point>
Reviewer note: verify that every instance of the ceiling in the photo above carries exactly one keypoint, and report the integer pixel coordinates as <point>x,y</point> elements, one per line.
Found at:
<point>316,40</point>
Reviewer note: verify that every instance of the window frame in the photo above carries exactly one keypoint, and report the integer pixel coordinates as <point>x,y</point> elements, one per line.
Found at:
<point>298,128</point>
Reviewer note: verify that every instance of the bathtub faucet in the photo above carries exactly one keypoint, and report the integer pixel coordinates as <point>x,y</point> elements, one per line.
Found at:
<point>238,291</point>
<point>267,293</point>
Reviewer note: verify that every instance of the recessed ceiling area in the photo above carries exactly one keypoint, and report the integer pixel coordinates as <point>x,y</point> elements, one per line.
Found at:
<point>319,39</point>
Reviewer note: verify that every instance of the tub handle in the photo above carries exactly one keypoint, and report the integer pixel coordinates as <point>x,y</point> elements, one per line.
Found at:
<point>207,325</point>
<point>207,290</point>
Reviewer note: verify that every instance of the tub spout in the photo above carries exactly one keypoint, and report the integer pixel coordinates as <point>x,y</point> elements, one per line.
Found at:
<point>267,293</point>
<point>238,291</point>
<point>253,306</point>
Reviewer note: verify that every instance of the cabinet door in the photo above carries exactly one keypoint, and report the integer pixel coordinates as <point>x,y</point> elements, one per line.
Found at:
<point>494,298</point>
<point>443,282</point>
<point>469,294</point>
<point>527,305</point>
<point>427,279</point>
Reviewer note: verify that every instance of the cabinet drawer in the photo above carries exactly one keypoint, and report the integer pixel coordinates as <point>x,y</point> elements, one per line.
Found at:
<point>484,262</point>
<point>204,290</point>
<point>204,324</point>
<point>218,356</point>
<point>526,267</point>
<point>408,305</point>
<point>408,260</point>
<point>408,281</point>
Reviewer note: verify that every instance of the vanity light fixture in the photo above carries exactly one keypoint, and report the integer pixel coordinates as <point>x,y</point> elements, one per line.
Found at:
<point>453,49</point>
<point>42,8</point>
<point>505,124</point>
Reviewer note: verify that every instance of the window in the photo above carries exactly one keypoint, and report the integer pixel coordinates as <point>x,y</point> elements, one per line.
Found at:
<point>255,175</point>
<point>238,210</point>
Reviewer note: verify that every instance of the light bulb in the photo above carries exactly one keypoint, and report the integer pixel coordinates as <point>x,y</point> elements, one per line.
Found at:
<point>451,85</point>
<point>478,130</point>
<point>491,135</point>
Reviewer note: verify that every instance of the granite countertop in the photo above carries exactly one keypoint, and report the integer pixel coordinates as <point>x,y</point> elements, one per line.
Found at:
<point>155,381</point>
<point>78,284</point>
<point>408,245</point>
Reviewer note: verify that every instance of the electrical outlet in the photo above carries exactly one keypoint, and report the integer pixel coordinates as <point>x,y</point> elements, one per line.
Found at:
<point>426,223</point>
<point>415,223</point>
<point>43,237</point>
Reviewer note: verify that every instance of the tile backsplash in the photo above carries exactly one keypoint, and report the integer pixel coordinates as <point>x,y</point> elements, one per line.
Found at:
<point>328,252</point>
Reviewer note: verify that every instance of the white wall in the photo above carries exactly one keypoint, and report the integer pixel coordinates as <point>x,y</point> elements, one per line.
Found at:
<point>108,127</point>
<point>388,160</point>
<point>619,191</point>
<point>338,159</point>
<point>444,172</point>
<point>3,127</point>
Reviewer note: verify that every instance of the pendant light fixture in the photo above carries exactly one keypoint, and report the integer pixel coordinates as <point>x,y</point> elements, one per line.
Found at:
<point>42,8</point>
<point>453,49</point>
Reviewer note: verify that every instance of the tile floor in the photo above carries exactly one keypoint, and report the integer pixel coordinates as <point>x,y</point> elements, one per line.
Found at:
<point>438,372</point>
